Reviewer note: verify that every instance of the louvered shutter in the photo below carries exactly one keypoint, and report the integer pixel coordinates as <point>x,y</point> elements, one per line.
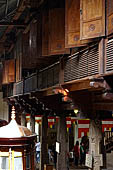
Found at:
<point>92,18</point>
<point>109,56</point>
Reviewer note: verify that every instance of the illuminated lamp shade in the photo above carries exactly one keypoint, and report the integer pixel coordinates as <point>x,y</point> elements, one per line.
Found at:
<point>75,111</point>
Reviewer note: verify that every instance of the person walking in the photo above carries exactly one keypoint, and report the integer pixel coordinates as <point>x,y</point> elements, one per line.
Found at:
<point>82,154</point>
<point>76,153</point>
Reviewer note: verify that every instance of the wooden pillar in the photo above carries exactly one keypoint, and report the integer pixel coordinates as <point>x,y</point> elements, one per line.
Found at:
<point>95,140</point>
<point>24,159</point>
<point>23,119</point>
<point>32,158</point>
<point>63,139</point>
<point>44,158</point>
<point>32,123</point>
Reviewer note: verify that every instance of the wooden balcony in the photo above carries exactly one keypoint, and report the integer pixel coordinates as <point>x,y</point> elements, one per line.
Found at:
<point>18,88</point>
<point>30,84</point>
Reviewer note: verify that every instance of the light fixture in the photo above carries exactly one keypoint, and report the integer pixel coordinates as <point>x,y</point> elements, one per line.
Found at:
<point>75,111</point>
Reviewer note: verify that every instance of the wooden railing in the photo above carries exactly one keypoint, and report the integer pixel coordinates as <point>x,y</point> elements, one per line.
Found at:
<point>30,83</point>
<point>18,88</point>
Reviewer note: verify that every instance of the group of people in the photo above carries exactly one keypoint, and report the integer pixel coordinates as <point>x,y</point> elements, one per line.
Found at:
<point>79,153</point>
<point>51,152</point>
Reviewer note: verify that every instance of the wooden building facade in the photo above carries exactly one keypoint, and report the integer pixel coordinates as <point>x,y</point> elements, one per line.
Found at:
<point>58,58</point>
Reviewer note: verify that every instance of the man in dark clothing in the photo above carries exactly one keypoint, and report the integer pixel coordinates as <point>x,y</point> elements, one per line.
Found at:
<point>82,154</point>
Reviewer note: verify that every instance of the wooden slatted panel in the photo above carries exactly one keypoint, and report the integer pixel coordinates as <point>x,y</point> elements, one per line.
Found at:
<point>56,74</point>
<point>50,77</point>
<point>74,67</point>
<point>30,84</point>
<point>93,61</point>
<point>10,90</point>
<point>82,65</point>
<point>67,70</point>
<point>27,86</point>
<point>18,88</point>
<point>34,82</point>
<point>44,79</point>
<point>40,80</point>
<point>109,56</point>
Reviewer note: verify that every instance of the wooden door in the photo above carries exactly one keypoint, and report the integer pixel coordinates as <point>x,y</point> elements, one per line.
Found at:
<point>18,70</point>
<point>8,71</point>
<point>109,17</point>
<point>11,71</point>
<point>5,73</point>
<point>92,18</point>
<point>72,24</point>
<point>57,31</point>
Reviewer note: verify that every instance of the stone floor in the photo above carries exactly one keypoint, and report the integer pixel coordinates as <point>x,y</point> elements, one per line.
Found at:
<point>109,164</point>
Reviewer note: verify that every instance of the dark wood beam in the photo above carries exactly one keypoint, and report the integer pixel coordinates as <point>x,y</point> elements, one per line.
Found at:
<point>2,24</point>
<point>16,17</point>
<point>103,106</point>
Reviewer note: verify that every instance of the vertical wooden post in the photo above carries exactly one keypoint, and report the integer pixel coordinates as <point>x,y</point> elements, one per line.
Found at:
<point>23,119</point>
<point>32,159</point>
<point>62,138</point>
<point>44,158</point>
<point>32,123</point>
<point>24,159</point>
<point>61,73</point>
<point>95,140</point>
<point>102,56</point>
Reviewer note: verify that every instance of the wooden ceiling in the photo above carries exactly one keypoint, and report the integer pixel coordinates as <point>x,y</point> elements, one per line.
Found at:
<point>20,19</point>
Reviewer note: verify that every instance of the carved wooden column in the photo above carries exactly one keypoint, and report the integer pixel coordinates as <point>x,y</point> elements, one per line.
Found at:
<point>63,139</point>
<point>44,158</point>
<point>95,140</point>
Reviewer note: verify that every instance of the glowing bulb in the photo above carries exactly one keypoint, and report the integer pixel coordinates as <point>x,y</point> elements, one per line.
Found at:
<point>67,90</point>
<point>75,111</point>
